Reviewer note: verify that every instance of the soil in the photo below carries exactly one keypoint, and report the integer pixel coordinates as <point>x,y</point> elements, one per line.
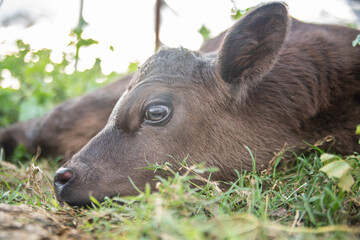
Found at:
<point>23,222</point>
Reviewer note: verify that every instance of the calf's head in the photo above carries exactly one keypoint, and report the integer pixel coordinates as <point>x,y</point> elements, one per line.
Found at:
<point>181,103</point>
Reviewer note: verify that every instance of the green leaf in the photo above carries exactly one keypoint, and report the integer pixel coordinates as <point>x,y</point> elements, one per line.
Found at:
<point>357,129</point>
<point>356,41</point>
<point>339,169</point>
<point>327,158</point>
<point>237,13</point>
<point>205,33</point>
<point>80,27</point>
<point>336,169</point>
<point>133,66</point>
<point>346,182</point>
<point>86,42</point>
<point>95,201</point>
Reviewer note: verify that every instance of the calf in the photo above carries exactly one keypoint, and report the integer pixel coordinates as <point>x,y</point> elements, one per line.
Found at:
<point>275,80</point>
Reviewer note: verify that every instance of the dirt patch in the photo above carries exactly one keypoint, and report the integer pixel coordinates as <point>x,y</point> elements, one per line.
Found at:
<point>24,222</point>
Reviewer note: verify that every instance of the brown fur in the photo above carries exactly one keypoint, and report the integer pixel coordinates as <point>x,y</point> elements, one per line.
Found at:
<point>276,80</point>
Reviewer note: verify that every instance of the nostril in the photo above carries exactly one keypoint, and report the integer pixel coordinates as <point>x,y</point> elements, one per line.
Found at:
<point>63,175</point>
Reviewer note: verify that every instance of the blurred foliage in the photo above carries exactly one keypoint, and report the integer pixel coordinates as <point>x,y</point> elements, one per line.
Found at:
<point>205,33</point>
<point>236,13</point>
<point>133,66</point>
<point>77,32</point>
<point>41,83</point>
<point>31,83</point>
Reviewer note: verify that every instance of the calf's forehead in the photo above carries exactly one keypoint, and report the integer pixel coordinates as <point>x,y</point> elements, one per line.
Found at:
<point>177,66</point>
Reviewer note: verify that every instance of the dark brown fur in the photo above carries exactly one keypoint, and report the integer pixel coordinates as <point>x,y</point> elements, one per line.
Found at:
<point>275,80</point>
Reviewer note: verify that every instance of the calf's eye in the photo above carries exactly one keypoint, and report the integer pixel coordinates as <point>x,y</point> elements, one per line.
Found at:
<point>157,114</point>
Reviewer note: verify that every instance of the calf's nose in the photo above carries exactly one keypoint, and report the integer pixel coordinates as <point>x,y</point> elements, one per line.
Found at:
<point>63,176</point>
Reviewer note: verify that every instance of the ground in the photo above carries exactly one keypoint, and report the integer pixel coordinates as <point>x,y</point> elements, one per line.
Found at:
<point>294,198</point>
<point>24,222</point>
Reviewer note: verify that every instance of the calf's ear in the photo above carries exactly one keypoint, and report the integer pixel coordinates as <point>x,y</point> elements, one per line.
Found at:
<point>251,47</point>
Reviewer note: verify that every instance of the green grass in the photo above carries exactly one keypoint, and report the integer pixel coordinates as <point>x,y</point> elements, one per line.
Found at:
<point>291,200</point>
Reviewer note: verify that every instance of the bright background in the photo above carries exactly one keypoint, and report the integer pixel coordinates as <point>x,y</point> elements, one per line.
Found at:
<point>128,26</point>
